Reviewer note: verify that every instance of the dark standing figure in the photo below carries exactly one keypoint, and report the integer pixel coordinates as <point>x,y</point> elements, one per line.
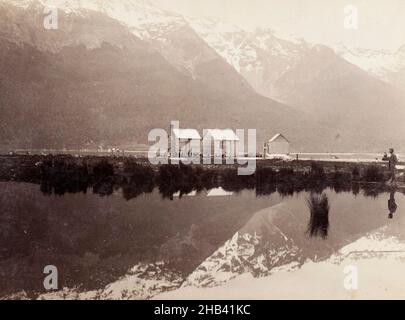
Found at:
<point>392,206</point>
<point>392,162</point>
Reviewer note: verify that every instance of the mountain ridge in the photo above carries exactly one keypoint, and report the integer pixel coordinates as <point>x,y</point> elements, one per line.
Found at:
<point>184,79</point>
<point>118,90</point>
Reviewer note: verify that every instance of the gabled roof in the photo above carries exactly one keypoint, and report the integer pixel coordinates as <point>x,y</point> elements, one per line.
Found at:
<point>222,134</point>
<point>218,192</point>
<point>278,136</point>
<point>189,134</point>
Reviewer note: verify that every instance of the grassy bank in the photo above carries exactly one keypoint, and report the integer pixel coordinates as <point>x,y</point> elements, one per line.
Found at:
<point>61,174</point>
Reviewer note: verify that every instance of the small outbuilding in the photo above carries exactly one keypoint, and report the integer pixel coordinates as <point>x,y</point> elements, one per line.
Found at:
<point>278,145</point>
<point>185,143</point>
<point>223,143</point>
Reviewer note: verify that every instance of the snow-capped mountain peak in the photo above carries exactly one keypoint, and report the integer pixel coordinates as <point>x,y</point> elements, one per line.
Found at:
<point>264,55</point>
<point>259,55</point>
<point>226,39</point>
<point>382,64</point>
<point>142,17</point>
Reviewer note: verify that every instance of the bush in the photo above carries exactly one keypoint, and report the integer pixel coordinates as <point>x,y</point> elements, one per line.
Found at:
<point>103,169</point>
<point>317,171</point>
<point>285,175</point>
<point>356,172</point>
<point>342,181</point>
<point>179,178</point>
<point>265,175</point>
<point>137,172</point>
<point>319,207</point>
<point>139,179</point>
<point>373,173</point>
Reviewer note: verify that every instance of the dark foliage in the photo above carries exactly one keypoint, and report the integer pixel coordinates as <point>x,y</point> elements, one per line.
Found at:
<point>373,173</point>
<point>318,205</point>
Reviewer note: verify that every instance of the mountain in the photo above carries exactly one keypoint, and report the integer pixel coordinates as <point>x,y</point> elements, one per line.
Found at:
<point>93,81</point>
<point>142,282</point>
<point>264,55</point>
<point>278,238</point>
<point>350,92</point>
<point>272,242</point>
<point>371,253</point>
<point>259,56</point>
<point>346,97</point>
<point>384,65</point>
<point>116,69</point>
<point>169,33</point>
<point>268,241</point>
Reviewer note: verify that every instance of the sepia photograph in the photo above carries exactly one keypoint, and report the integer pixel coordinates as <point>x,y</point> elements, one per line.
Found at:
<point>202,150</point>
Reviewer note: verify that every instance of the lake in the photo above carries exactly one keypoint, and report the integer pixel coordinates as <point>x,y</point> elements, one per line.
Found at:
<point>212,243</point>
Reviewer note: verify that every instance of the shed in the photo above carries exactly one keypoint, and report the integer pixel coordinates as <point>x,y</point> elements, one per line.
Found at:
<point>220,142</point>
<point>278,145</point>
<point>188,142</point>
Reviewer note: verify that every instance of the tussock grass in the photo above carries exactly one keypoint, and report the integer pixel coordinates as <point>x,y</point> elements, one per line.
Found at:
<point>373,173</point>
<point>319,207</point>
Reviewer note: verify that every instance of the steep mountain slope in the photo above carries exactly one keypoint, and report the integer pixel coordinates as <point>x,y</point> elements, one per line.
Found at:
<point>342,95</point>
<point>277,238</point>
<point>167,32</point>
<point>263,55</point>
<point>259,56</point>
<point>361,99</point>
<point>384,65</point>
<point>93,81</point>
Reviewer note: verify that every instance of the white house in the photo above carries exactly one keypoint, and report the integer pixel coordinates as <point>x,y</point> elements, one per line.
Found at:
<point>185,142</point>
<point>278,145</point>
<point>223,143</point>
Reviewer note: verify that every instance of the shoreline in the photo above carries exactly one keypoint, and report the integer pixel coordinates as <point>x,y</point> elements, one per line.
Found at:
<point>60,174</point>
<point>14,162</point>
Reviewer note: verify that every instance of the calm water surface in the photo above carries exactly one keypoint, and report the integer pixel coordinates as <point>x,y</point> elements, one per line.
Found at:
<point>202,239</point>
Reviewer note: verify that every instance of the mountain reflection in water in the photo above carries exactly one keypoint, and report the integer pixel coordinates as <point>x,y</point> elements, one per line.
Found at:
<point>109,247</point>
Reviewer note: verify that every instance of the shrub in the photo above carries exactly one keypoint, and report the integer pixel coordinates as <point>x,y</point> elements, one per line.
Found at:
<point>356,172</point>
<point>265,175</point>
<point>319,207</point>
<point>103,169</point>
<point>342,181</point>
<point>317,171</point>
<point>373,173</point>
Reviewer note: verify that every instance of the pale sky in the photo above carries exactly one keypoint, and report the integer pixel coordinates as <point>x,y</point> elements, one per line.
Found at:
<point>381,22</point>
